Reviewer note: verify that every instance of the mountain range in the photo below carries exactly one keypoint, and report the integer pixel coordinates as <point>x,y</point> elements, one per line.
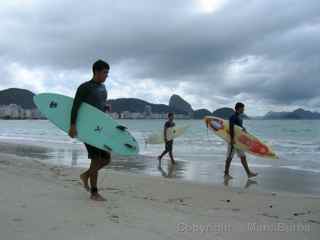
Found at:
<point>21,97</point>
<point>296,114</point>
<point>177,104</point>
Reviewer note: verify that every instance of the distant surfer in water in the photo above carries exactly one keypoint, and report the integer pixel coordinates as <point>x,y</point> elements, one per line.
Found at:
<point>168,138</point>
<point>94,93</point>
<point>236,119</point>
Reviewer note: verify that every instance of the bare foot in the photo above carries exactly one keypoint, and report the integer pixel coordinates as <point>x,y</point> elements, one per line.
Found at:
<point>252,174</point>
<point>84,180</point>
<point>97,197</point>
<point>227,177</point>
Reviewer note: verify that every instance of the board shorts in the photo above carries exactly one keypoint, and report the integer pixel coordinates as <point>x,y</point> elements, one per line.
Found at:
<point>96,153</point>
<point>169,146</point>
<point>232,150</point>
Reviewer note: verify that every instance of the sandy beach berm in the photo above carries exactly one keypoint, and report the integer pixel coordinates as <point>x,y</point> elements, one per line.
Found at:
<point>41,201</point>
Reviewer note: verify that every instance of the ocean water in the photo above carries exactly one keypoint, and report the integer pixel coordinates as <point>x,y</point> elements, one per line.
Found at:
<point>199,153</point>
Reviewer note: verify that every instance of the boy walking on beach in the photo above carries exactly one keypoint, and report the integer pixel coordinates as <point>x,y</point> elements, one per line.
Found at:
<point>94,93</point>
<point>236,119</point>
<point>168,138</point>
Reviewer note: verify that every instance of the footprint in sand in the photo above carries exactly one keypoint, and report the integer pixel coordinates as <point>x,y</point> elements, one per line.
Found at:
<point>114,218</point>
<point>97,203</point>
<point>90,225</point>
<point>17,219</point>
<point>22,205</point>
<point>113,190</point>
<point>58,171</point>
<point>216,208</point>
<point>180,201</point>
<point>268,215</point>
<point>301,213</point>
<point>5,162</point>
<point>41,194</point>
<point>314,221</point>
<point>149,198</point>
<point>53,228</point>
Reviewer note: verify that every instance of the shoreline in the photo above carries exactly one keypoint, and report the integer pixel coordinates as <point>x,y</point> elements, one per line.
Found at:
<point>270,180</point>
<point>195,184</point>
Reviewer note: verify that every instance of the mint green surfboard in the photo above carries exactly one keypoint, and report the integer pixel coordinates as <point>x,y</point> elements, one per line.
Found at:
<point>94,127</point>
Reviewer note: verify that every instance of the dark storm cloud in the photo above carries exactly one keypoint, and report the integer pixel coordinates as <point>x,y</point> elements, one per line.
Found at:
<point>263,49</point>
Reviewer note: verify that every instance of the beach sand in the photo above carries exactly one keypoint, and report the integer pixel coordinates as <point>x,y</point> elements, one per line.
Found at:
<point>41,201</point>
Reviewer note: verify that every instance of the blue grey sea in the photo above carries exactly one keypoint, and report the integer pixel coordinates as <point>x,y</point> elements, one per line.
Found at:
<point>199,153</point>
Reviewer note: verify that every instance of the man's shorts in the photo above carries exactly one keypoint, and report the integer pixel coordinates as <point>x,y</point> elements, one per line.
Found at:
<point>169,145</point>
<point>232,150</point>
<point>96,153</point>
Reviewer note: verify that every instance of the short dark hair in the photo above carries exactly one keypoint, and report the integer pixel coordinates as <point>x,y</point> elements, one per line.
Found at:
<point>170,114</point>
<point>239,105</point>
<point>100,65</point>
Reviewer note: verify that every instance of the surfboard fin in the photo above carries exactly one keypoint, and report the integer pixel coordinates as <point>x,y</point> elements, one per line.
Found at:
<point>130,146</point>
<point>107,147</point>
<point>122,128</point>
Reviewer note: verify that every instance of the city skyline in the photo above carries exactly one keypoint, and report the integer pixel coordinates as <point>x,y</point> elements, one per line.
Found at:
<point>176,104</point>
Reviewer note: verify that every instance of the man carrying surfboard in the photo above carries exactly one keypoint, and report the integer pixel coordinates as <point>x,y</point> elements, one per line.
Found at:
<point>94,93</point>
<point>168,138</point>
<point>236,119</point>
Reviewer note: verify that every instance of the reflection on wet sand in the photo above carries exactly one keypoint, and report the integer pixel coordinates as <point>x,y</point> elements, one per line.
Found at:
<point>171,172</point>
<point>74,159</point>
<point>22,150</point>
<point>55,155</point>
<point>248,183</point>
<point>75,155</point>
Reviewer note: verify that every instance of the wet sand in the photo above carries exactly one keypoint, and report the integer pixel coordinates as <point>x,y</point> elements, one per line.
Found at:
<point>272,179</point>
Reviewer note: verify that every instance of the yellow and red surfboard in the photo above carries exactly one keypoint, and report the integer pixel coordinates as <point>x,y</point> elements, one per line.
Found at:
<point>243,140</point>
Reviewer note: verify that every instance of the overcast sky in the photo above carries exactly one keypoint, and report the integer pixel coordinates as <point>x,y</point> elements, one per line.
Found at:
<point>211,52</point>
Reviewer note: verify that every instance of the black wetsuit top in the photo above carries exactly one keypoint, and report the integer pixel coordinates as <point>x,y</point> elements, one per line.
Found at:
<point>235,119</point>
<point>92,93</point>
<point>169,124</point>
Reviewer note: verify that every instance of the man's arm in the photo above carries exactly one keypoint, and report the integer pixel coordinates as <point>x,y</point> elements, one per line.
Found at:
<point>241,125</point>
<point>78,99</point>
<point>231,128</point>
<point>165,132</point>
<point>232,123</point>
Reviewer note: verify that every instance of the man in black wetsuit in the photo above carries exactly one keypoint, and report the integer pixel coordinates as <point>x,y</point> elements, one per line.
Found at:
<point>236,119</point>
<point>94,93</point>
<point>168,138</point>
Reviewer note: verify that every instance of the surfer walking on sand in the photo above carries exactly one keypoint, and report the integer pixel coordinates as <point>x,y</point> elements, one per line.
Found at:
<point>168,138</point>
<point>236,119</point>
<point>94,93</point>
